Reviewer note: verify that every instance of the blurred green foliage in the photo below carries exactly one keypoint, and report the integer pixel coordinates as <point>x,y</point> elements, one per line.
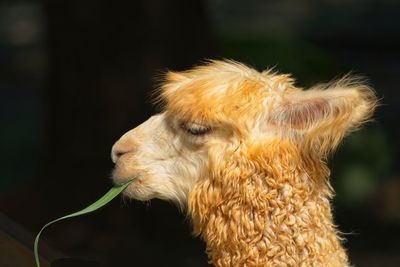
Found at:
<point>360,165</point>
<point>309,64</point>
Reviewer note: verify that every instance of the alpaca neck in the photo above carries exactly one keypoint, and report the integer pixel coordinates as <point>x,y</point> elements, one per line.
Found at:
<point>267,220</point>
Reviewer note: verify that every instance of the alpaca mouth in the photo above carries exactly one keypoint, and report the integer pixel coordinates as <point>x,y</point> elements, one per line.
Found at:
<point>121,175</point>
<point>132,180</point>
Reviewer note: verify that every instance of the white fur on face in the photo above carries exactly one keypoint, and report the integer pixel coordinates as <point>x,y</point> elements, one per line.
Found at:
<point>167,159</point>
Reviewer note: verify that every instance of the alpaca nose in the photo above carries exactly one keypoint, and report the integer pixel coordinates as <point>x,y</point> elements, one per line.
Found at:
<point>118,150</point>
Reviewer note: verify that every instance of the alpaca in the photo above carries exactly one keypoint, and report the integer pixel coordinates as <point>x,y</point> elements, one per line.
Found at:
<point>244,153</point>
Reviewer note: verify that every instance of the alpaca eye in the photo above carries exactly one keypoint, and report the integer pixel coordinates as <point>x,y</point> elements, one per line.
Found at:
<point>195,129</point>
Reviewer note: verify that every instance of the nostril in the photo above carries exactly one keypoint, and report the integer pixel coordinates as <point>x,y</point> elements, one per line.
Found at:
<point>119,154</point>
<point>115,155</point>
<point>118,151</point>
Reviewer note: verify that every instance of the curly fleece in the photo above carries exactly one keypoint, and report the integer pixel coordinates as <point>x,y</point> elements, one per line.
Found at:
<point>265,201</point>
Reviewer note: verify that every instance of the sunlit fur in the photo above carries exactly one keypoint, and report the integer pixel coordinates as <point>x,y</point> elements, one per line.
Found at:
<point>256,186</point>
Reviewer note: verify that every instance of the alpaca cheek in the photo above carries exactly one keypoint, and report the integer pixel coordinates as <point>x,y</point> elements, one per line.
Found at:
<point>182,174</point>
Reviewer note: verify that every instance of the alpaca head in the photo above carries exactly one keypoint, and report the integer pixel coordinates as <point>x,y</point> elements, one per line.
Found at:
<point>225,110</point>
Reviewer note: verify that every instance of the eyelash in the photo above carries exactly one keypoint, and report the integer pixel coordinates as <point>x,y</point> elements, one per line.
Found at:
<point>195,129</point>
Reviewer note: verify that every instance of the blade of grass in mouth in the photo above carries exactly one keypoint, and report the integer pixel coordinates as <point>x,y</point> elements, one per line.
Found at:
<point>110,195</point>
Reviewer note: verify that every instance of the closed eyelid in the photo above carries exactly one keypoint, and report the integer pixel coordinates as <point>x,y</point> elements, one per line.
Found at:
<point>194,128</point>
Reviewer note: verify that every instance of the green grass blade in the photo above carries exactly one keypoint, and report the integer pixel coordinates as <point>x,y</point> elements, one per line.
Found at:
<point>110,195</point>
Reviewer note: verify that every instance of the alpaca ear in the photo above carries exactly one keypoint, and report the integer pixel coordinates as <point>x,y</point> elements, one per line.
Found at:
<point>323,115</point>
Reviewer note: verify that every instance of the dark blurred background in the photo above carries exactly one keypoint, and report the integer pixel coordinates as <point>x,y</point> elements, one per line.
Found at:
<point>75,75</point>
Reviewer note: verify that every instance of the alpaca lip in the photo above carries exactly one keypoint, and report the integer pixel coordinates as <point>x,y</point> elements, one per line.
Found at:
<point>136,177</point>
<point>130,181</point>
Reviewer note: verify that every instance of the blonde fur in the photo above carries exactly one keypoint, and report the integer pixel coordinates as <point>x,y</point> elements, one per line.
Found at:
<point>244,152</point>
